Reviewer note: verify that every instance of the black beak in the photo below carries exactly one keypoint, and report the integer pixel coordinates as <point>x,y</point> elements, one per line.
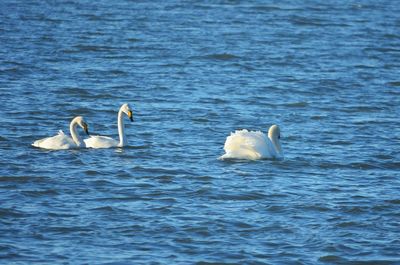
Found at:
<point>86,129</point>
<point>130,115</point>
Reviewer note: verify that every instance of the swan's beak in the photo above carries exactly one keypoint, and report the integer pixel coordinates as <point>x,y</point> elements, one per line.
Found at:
<point>130,115</point>
<point>86,128</point>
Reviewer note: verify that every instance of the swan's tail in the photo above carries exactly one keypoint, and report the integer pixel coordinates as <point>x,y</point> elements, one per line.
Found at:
<point>38,142</point>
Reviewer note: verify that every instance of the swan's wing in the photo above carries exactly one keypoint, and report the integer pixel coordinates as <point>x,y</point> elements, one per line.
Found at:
<point>57,142</point>
<point>98,141</point>
<point>260,143</point>
<point>245,145</point>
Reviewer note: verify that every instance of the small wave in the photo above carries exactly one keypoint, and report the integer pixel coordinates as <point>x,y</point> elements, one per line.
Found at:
<point>204,178</point>
<point>352,165</point>
<point>395,201</point>
<point>316,208</point>
<point>215,101</point>
<point>318,117</point>
<point>348,224</point>
<point>382,49</point>
<point>22,179</point>
<point>14,71</point>
<point>354,209</point>
<point>165,171</point>
<point>340,142</point>
<point>4,213</point>
<point>107,209</point>
<point>10,253</point>
<point>275,208</point>
<point>385,157</point>
<point>68,230</point>
<point>300,104</point>
<point>218,57</point>
<point>243,225</point>
<point>133,39</point>
<point>200,119</point>
<point>138,147</point>
<point>118,72</point>
<point>268,8</point>
<point>93,17</point>
<point>362,109</point>
<point>363,66</point>
<point>94,48</point>
<point>88,48</point>
<point>40,193</point>
<point>75,91</point>
<point>391,165</point>
<point>391,36</point>
<point>393,83</point>
<point>164,179</point>
<point>244,66</point>
<point>305,21</point>
<point>200,192</point>
<point>122,199</point>
<point>91,172</point>
<point>172,65</point>
<point>223,56</point>
<point>240,197</point>
<point>61,214</point>
<point>331,259</point>
<point>360,165</point>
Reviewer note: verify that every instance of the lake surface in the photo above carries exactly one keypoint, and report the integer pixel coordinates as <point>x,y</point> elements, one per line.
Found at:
<point>193,71</point>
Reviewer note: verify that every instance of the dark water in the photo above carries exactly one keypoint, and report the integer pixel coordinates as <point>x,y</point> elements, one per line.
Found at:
<point>327,73</point>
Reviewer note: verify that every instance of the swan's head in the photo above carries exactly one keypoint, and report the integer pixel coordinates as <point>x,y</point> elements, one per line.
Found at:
<point>125,108</point>
<point>81,122</point>
<point>274,134</point>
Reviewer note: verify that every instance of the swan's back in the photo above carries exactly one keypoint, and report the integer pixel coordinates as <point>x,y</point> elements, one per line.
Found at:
<point>98,141</point>
<point>57,142</point>
<point>244,144</point>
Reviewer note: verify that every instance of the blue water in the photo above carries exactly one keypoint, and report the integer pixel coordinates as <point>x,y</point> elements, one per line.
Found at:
<point>193,71</point>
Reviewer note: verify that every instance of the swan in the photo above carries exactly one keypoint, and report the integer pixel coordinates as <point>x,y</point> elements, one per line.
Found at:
<point>63,141</point>
<point>98,141</point>
<point>244,144</point>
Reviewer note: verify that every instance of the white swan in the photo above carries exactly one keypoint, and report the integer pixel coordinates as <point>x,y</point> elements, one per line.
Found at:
<point>244,144</point>
<point>98,141</point>
<point>62,141</point>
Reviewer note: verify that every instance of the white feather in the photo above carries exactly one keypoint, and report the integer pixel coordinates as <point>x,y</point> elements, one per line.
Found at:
<point>252,145</point>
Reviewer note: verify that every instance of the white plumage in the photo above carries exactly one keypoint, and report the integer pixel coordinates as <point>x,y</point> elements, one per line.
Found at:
<point>63,141</point>
<point>244,144</point>
<point>98,141</point>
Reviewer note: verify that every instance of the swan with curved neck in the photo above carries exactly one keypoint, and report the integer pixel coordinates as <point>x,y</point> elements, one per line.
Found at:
<point>244,144</point>
<point>98,141</point>
<point>63,141</point>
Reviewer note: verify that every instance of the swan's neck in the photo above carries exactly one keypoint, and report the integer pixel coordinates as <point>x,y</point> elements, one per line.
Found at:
<point>276,146</point>
<point>121,129</point>
<point>75,136</point>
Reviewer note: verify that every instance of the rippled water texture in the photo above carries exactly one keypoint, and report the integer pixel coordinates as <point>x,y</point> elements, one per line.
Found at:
<point>327,73</point>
